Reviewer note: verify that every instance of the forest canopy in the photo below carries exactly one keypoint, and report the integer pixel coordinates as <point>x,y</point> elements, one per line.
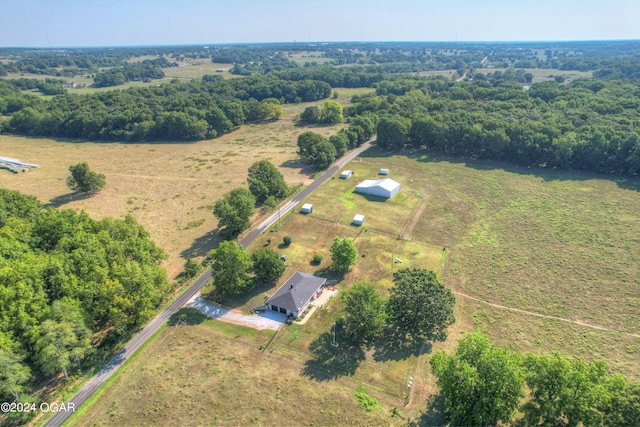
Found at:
<point>63,277</point>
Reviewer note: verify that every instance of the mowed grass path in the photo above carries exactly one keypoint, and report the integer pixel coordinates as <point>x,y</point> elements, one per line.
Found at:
<point>556,243</point>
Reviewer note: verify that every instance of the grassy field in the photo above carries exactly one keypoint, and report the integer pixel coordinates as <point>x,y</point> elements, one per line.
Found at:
<point>539,74</point>
<point>212,373</point>
<point>553,243</point>
<point>546,243</point>
<point>170,188</point>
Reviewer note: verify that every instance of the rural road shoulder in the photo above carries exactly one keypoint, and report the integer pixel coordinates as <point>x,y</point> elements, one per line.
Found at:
<point>93,384</point>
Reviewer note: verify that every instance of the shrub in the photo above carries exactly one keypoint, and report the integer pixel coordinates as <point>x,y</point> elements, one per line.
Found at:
<point>366,402</point>
<point>317,258</point>
<point>287,240</point>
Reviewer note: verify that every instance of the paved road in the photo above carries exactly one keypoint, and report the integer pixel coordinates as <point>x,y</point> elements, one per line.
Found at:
<point>152,327</point>
<point>251,236</point>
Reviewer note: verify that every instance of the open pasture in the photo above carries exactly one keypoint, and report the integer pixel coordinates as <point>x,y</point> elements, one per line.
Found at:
<point>170,188</point>
<point>212,373</point>
<point>553,243</point>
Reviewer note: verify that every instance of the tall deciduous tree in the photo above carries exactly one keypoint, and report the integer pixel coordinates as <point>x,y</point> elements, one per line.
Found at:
<point>13,374</point>
<point>233,211</point>
<point>365,314</point>
<point>65,339</point>
<point>393,132</point>
<point>331,112</point>
<point>267,265</point>
<point>481,384</point>
<point>343,254</point>
<point>84,180</point>
<point>230,269</point>
<point>565,388</point>
<point>419,304</point>
<point>266,180</point>
<point>310,114</point>
<point>316,150</point>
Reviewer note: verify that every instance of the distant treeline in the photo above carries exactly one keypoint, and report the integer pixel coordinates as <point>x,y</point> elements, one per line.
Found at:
<point>176,111</point>
<point>589,124</point>
<point>144,71</point>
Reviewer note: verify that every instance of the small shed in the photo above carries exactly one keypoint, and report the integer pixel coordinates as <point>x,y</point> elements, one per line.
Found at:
<point>384,172</point>
<point>358,219</point>
<point>346,174</point>
<point>307,208</point>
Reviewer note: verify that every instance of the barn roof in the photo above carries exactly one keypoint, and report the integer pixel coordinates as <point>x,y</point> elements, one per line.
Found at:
<point>386,183</point>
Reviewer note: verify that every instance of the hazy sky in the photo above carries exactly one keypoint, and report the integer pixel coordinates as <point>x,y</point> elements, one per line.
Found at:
<point>25,23</point>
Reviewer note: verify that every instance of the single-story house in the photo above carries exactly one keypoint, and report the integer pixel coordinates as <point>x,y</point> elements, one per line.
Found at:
<point>358,219</point>
<point>381,187</point>
<point>295,295</point>
<point>346,174</point>
<point>384,172</point>
<point>307,208</point>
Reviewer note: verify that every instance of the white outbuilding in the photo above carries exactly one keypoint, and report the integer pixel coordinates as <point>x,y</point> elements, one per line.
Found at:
<point>381,187</point>
<point>384,172</point>
<point>307,208</point>
<point>346,174</point>
<point>358,219</point>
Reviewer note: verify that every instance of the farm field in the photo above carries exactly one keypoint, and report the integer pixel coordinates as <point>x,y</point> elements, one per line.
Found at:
<point>213,373</point>
<point>169,188</point>
<point>539,74</point>
<point>553,243</point>
<point>539,260</point>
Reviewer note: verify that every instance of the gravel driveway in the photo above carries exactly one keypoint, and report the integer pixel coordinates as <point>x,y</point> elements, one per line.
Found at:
<point>266,320</point>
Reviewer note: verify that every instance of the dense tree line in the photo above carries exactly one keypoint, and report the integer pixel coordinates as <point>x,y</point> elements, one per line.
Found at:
<point>63,277</point>
<point>145,71</point>
<point>47,86</point>
<point>483,385</point>
<point>197,110</point>
<point>320,152</point>
<point>588,124</point>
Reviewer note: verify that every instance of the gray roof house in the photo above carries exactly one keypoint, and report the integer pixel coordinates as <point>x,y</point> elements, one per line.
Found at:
<point>296,294</point>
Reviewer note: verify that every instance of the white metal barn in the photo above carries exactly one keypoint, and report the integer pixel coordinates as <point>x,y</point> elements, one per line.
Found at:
<point>381,187</point>
<point>307,208</point>
<point>358,219</point>
<point>346,174</point>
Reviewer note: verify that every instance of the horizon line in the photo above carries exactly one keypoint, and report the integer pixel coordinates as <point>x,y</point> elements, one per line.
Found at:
<point>294,42</point>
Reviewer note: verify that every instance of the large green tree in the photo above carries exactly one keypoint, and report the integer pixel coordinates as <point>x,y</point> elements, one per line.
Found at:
<point>84,180</point>
<point>316,150</point>
<point>266,180</point>
<point>343,254</point>
<point>64,340</point>
<point>365,314</point>
<point>393,132</point>
<point>230,268</point>
<point>267,265</point>
<point>624,406</point>
<point>310,114</point>
<point>481,384</point>
<point>331,112</point>
<point>419,305</point>
<point>565,388</point>
<point>233,211</point>
<point>13,374</point>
